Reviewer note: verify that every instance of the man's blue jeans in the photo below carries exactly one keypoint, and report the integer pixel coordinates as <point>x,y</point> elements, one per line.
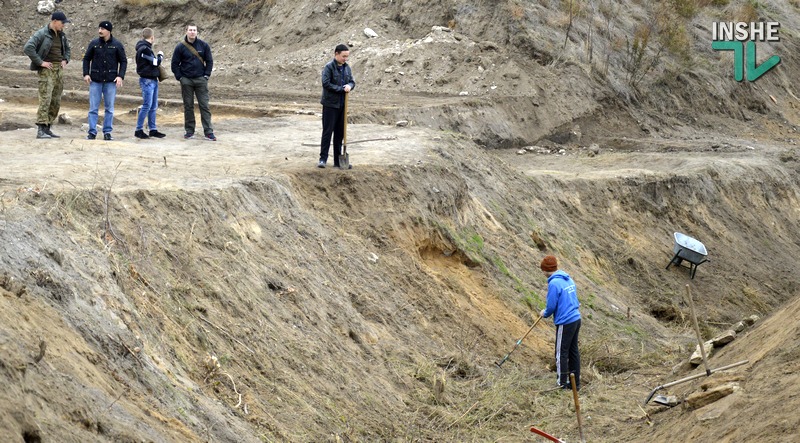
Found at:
<point>149,104</point>
<point>109,92</point>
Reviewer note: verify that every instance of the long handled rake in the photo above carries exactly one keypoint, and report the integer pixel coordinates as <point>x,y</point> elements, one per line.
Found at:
<point>516,345</point>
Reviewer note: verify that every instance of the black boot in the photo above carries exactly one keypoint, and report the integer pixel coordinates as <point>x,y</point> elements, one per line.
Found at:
<point>41,132</point>
<point>50,133</point>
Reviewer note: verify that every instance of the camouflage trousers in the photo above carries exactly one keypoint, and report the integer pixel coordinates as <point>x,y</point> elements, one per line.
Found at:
<point>51,86</point>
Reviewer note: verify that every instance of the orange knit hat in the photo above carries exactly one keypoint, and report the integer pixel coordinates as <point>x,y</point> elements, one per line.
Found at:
<point>549,264</point>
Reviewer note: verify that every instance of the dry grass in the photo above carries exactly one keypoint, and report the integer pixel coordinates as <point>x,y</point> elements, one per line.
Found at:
<point>575,7</point>
<point>747,12</point>
<point>516,10</point>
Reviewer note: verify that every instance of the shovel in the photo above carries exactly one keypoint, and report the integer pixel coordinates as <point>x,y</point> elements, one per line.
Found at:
<point>697,331</point>
<point>692,377</point>
<point>344,157</point>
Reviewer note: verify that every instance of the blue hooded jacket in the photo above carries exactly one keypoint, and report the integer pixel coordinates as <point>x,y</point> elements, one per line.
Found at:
<point>562,299</point>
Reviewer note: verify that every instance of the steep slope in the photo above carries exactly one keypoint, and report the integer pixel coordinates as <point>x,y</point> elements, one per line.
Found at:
<point>333,302</point>
<point>761,409</point>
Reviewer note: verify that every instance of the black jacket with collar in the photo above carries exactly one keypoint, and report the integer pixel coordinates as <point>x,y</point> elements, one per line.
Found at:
<point>104,60</point>
<point>186,64</point>
<point>333,84</point>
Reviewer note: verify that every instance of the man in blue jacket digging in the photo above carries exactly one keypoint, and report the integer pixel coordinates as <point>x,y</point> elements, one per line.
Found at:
<point>562,303</point>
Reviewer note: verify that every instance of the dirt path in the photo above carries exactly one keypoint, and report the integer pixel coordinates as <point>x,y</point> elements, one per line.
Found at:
<point>246,147</point>
<point>251,145</point>
<point>610,164</point>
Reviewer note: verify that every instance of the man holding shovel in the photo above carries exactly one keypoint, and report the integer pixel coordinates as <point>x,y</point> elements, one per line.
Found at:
<point>337,80</point>
<point>562,303</point>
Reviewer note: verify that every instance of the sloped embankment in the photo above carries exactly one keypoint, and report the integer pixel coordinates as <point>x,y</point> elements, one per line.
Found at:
<point>370,305</point>
<point>760,410</point>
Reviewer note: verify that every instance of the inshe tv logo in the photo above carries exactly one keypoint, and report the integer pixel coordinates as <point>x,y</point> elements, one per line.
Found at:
<point>740,37</point>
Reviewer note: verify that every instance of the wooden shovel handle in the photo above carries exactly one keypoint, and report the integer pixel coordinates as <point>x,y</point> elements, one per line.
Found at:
<point>577,405</point>
<point>344,139</point>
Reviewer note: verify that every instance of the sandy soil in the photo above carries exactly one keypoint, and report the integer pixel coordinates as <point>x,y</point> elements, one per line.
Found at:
<point>246,147</point>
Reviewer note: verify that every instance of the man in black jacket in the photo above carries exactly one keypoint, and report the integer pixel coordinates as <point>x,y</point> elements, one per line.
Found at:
<point>147,64</point>
<point>337,80</point>
<point>192,64</point>
<point>104,66</point>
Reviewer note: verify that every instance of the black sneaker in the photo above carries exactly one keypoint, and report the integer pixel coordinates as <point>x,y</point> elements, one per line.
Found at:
<point>156,134</point>
<point>210,137</point>
<point>91,136</point>
<point>140,134</point>
<point>107,137</point>
<point>188,135</point>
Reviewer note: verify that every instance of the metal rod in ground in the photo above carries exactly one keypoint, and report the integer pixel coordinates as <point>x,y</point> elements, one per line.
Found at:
<point>500,363</point>
<point>546,435</point>
<point>577,406</point>
<point>697,330</point>
<point>692,377</point>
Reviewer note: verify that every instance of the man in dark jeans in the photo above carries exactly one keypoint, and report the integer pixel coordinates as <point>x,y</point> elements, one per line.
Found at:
<point>191,65</point>
<point>337,80</point>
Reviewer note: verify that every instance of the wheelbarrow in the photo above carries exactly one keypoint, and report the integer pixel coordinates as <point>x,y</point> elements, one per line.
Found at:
<point>689,249</point>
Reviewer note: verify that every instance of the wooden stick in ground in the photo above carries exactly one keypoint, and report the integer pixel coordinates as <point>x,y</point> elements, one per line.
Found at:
<point>697,330</point>
<point>577,406</point>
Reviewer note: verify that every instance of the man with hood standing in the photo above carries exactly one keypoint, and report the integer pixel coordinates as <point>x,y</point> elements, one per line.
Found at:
<point>562,302</point>
<point>147,64</point>
<point>104,66</point>
<point>48,49</point>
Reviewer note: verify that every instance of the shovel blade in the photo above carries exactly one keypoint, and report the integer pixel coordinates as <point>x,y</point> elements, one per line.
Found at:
<point>344,158</point>
<point>666,400</point>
